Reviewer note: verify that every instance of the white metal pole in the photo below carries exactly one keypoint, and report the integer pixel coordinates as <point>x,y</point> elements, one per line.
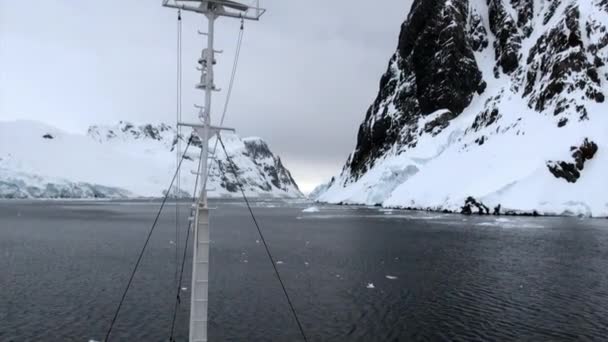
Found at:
<point>200,265</point>
<point>210,57</point>
<point>200,277</point>
<point>200,271</point>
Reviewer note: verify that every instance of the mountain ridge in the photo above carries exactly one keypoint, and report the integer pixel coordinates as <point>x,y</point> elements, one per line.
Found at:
<point>489,100</point>
<point>128,161</point>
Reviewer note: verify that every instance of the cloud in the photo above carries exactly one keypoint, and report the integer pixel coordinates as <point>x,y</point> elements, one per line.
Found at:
<point>307,73</point>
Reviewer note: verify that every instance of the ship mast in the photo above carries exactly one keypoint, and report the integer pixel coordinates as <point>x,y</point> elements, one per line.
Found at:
<point>212,9</point>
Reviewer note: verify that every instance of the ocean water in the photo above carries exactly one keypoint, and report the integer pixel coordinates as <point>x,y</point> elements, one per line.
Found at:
<point>353,273</point>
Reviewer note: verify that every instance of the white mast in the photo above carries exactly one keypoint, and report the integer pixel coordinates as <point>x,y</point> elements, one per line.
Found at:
<point>212,9</point>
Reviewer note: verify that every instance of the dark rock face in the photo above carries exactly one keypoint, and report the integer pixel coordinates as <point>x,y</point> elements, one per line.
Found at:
<point>257,149</point>
<point>441,55</point>
<point>478,35</point>
<point>434,69</point>
<point>558,64</point>
<point>280,177</point>
<point>196,141</point>
<point>435,126</point>
<point>571,171</point>
<point>583,153</point>
<point>554,4</point>
<point>151,132</point>
<point>148,131</point>
<point>269,170</point>
<point>489,116</point>
<point>469,71</point>
<point>226,174</point>
<point>525,12</point>
<point>567,171</point>
<point>508,38</point>
<point>497,210</point>
<point>472,206</point>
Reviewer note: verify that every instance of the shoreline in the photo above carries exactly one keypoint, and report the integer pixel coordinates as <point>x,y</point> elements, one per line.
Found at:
<point>508,213</point>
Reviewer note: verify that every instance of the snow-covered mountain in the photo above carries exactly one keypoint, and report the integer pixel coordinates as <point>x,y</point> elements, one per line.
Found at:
<point>125,161</point>
<point>488,105</point>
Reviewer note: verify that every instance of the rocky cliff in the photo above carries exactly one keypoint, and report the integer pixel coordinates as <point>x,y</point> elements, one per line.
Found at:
<point>497,101</point>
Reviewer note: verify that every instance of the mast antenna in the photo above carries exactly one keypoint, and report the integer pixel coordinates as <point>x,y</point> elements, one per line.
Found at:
<point>212,9</point>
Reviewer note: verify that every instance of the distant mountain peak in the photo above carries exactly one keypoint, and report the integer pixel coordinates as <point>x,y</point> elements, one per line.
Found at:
<point>125,130</point>
<point>128,160</point>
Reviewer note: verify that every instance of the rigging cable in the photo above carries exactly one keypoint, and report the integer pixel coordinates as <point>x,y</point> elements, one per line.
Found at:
<point>178,145</point>
<point>181,273</point>
<point>255,221</point>
<point>234,66</point>
<point>232,76</point>
<point>141,253</point>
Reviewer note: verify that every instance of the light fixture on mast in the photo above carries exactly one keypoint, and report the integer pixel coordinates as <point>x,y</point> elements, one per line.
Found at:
<point>212,9</point>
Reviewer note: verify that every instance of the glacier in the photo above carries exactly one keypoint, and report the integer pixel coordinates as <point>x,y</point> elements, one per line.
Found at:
<point>129,161</point>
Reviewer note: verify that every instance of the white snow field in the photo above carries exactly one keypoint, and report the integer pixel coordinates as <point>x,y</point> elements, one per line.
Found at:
<point>125,161</point>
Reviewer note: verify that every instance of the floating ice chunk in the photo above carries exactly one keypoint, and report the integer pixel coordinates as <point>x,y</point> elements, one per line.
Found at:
<point>279,262</point>
<point>370,286</point>
<point>171,242</point>
<point>306,263</point>
<point>245,261</point>
<point>510,224</point>
<point>184,289</point>
<point>257,241</point>
<point>311,210</point>
<point>391,277</point>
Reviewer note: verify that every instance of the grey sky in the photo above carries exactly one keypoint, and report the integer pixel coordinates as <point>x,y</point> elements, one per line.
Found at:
<point>307,73</point>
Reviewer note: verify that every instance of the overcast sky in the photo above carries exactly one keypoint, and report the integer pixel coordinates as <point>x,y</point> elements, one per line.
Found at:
<point>307,73</point>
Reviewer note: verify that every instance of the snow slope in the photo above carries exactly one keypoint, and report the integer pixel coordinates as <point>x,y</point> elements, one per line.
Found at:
<point>123,161</point>
<point>489,106</point>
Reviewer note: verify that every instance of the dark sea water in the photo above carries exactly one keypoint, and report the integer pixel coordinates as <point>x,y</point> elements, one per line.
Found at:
<point>63,266</point>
